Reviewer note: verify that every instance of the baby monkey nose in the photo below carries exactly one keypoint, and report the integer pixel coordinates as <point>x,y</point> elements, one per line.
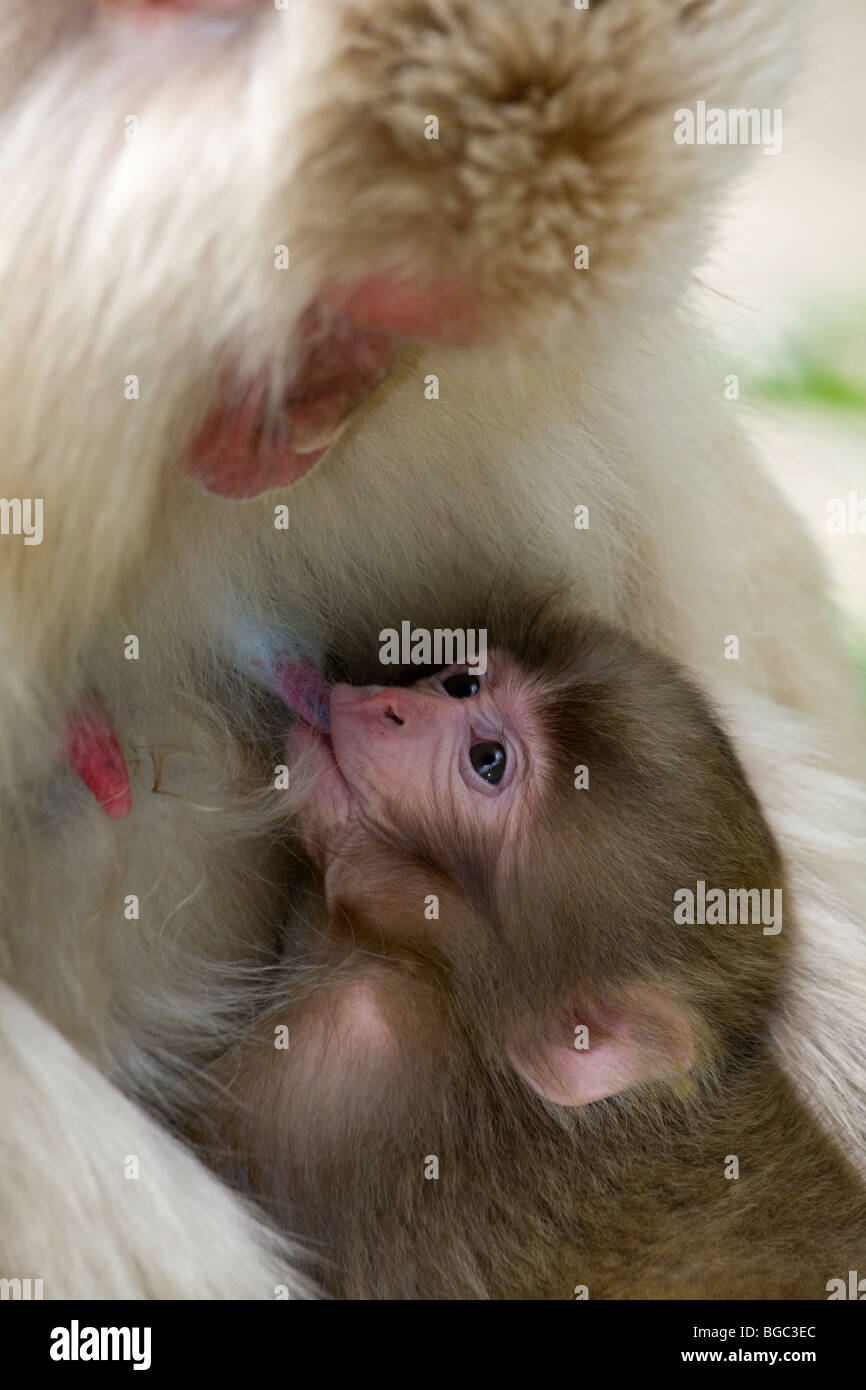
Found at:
<point>381,704</point>
<point>391,704</point>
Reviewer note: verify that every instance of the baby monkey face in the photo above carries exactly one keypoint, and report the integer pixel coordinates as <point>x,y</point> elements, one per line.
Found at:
<point>465,869</point>
<point>457,748</point>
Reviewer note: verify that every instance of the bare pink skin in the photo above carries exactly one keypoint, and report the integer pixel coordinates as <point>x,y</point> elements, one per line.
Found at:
<point>300,684</point>
<point>247,445</point>
<point>617,1057</point>
<point>92,750</point>
<point>233,457</point>
<point>351,336</point>
<point>392,747</point>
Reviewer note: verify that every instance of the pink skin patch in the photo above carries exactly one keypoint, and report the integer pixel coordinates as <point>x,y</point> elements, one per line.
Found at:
<point>91,749</point>
<point>240,452</point>
<point>249,444</point>
<point>351,337</point>
<point>300,684</point>
<point>616,1059</point>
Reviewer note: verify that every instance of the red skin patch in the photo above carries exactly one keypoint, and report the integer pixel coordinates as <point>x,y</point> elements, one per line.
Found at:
<point>248,445</point>
<point>238,453</point>
<point>351,336</point>
<point>91,749</point>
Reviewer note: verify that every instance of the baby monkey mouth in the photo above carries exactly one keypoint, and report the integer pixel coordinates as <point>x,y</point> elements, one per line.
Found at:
<point>329,801</point>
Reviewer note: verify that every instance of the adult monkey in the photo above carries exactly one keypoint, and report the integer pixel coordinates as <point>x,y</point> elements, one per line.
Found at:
<point>165,174</point>
<point>155,259</point>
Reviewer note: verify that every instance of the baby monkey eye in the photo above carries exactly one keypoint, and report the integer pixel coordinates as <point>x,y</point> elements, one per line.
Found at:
<point>461,686</point>
<point>488,760</point>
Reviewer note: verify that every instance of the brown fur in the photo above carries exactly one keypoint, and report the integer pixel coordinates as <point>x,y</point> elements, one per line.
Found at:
<point>399,1032</point>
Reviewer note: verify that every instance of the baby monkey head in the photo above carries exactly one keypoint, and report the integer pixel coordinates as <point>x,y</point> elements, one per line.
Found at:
<point>514,844</point>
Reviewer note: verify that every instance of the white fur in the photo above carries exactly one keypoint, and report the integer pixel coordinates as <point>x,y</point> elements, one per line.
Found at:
<point>70,1155</point>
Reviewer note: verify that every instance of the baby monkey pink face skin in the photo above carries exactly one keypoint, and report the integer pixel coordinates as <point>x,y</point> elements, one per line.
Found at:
<point>454,744</point>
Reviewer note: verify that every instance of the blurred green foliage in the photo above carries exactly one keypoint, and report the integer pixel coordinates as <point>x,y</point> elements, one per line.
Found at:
<point>822,369</point>
<point>825,364</point>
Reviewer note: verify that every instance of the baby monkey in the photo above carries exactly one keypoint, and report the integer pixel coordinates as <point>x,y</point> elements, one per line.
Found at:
<point>500,1063</point>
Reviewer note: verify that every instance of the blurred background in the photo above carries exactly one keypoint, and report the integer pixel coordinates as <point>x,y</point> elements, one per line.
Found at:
<point>788,273</point>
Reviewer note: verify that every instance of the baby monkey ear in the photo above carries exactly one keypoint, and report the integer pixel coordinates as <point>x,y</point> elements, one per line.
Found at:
<point>602,1049</point>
